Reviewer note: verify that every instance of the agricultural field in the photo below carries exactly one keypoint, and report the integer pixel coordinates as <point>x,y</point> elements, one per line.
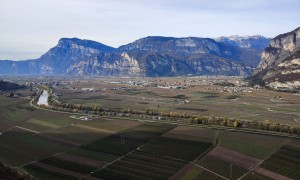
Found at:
<point>18,111</point>
<point>286,161</point>
<point>193,99</point>
<point>193,134</point>
<point>59,145</point>
<point>181,149</point>
<point>228,163</point>
<point>141,165</point>
<point>19,146</point>
<point>77,134</point>
<point>43,173</point>
<point>194,172</point>
<point>128,140</point>
<point>244,143</point>
<point>255,176</point>
<point>94,155</point>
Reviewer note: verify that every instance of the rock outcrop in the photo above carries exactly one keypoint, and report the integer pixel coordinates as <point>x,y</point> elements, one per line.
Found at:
<point>280,62</point>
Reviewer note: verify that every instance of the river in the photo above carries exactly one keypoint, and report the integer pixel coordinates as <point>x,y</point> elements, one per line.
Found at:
<point>43,100</point>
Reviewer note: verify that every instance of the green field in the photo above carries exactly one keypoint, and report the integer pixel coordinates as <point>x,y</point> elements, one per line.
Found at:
<point>141,165</point>
<point>177,148</point>
<point>128,140</point>
<point>286,161</point>
<point>19,112</point>
<point>72,166</point>
<point>192,134</point>
<point>95,155</point>
<point>46,174</point>
<point>77,134</point>
<point>193,172</point>
<point>255,176</point>
<point>223,168</point>
<point>244,143</point>
<point>111,124</point>
<point>19,146</point>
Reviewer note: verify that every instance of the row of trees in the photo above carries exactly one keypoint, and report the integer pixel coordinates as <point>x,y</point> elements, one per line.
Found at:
<point>172,116</point>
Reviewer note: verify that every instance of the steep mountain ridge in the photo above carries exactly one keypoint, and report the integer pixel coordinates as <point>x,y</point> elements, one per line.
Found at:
<point>150,56</point>
<point>280,62</point>
<point>194,45</point>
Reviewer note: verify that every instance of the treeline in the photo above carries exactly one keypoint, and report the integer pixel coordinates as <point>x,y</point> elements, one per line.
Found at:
<point>54,104</point>
<point>35,99</point>
<point>255,80</point>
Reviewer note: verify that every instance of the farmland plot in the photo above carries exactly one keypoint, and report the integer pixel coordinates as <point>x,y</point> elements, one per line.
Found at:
<point>192,133</point>
<point>177,148</point>
<point>193,172</point>
<point>63,166</point>
<point>110,124</point>
<point>255,176</point>
<point>68,165</point>
<point>18,146</point>
<point>227,163</point>
<point>46,172</point>
<point>141,165</point>
<point>254,145</point>
<point>286,161</point>
<point>77,134</point>
<point>95,155</point>
<point>128,140</point>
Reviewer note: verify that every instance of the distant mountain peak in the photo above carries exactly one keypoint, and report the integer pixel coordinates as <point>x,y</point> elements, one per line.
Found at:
<point>86,43</point>
<point>244,36</point>
<point>255,41</point>
<point>161,43</point>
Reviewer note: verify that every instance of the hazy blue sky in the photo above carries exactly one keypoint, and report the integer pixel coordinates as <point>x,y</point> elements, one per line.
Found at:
<point>28,28</point>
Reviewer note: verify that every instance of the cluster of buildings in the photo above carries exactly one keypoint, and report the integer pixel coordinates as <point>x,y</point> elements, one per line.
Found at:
<point>84,118</point>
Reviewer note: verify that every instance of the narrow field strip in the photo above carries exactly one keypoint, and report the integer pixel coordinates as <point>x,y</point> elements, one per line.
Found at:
<point>43,123</point>
<point>96,129</point>
<point>58,170</point>
<point>81,160</point>
<point>239,159</point>
<point>194,172</point>
<point>270,174</point>
<point>59,140</point>
<point>141,165</point>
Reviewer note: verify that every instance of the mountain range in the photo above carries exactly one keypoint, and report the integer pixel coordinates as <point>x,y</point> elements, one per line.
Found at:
<point>150,56</point>
<point>256,41</point>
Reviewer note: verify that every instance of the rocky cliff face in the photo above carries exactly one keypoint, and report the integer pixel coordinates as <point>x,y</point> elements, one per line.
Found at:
<point>194,45</point>
<point>150,56</point>
<point>280,62</point>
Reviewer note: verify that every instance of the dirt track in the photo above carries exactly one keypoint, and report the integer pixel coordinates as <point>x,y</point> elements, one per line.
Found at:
<point>270,174</point>
<point>96,129</point>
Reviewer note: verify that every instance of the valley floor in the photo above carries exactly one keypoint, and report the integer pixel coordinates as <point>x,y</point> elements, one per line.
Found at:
<point>51,145</point>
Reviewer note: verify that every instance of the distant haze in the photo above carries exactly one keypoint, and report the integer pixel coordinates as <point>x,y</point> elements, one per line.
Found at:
<point>28,28</point>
